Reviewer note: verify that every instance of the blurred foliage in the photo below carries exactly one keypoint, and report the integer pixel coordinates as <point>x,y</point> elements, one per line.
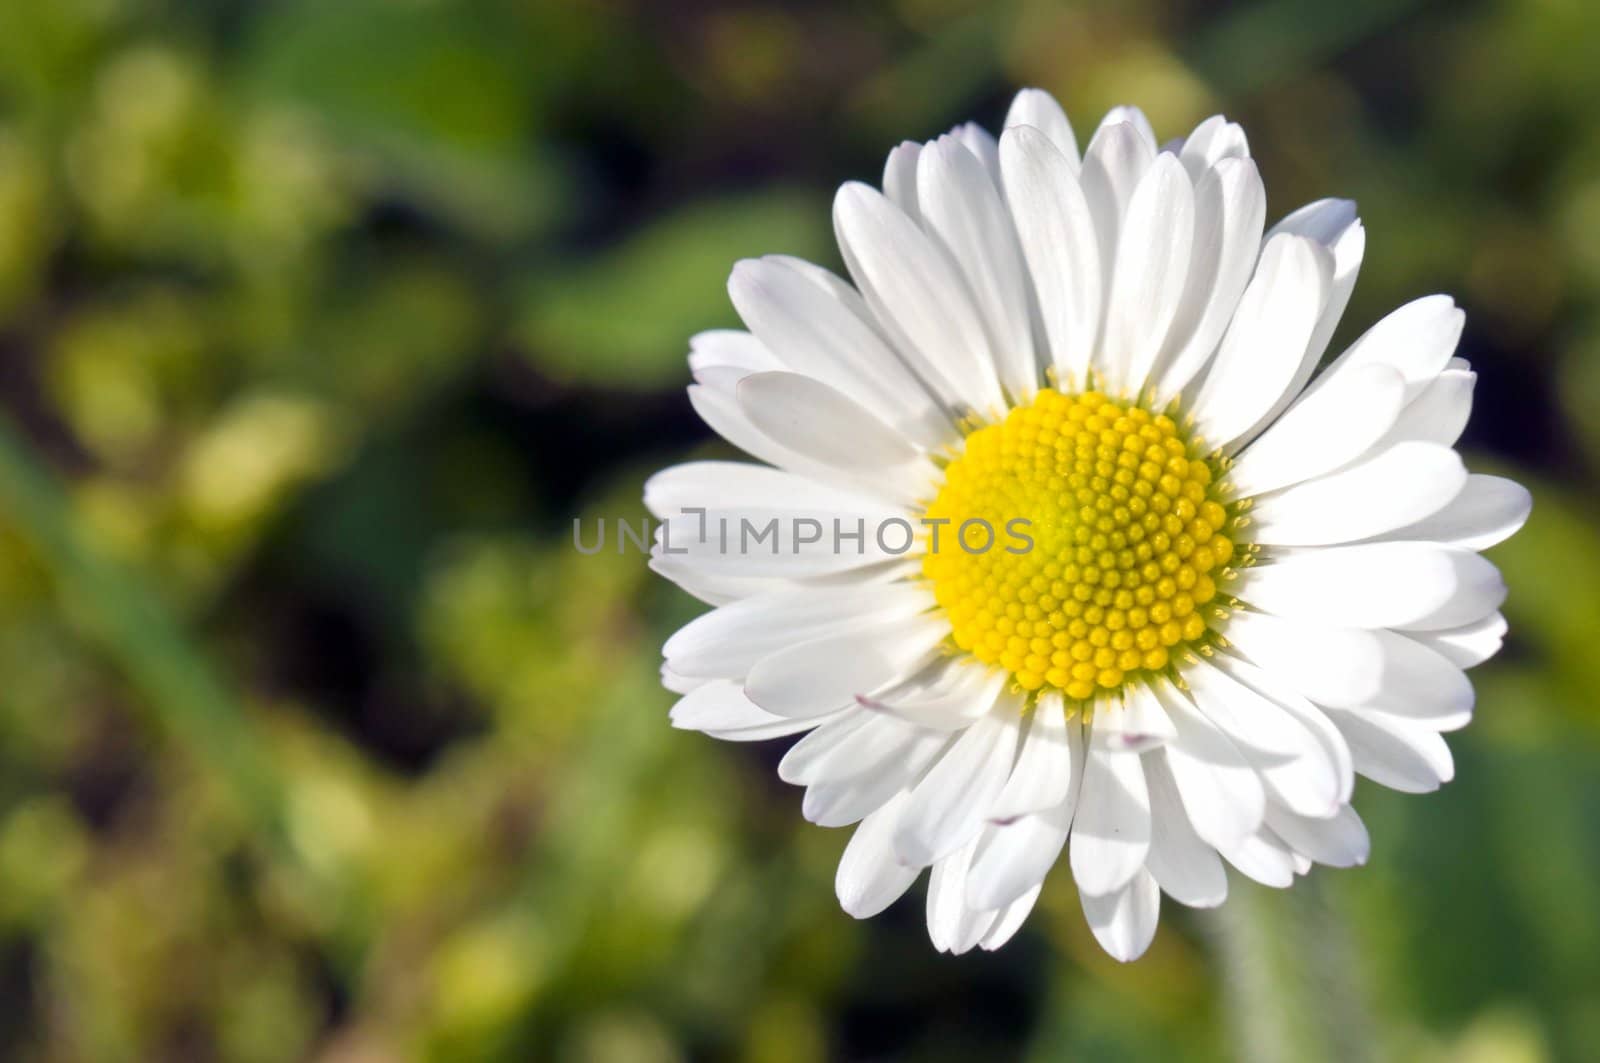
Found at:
<point>319,322</point>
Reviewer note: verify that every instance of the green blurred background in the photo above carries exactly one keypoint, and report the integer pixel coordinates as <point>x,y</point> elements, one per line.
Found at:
<point>321,319</point>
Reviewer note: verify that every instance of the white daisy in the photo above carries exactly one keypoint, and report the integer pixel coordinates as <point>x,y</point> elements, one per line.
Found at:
<point>1243,582</point>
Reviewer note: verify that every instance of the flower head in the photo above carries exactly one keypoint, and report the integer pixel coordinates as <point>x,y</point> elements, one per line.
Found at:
<point>1062,543</point>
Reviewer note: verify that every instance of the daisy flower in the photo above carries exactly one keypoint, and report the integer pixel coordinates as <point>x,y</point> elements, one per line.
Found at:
<point>1063,547</point>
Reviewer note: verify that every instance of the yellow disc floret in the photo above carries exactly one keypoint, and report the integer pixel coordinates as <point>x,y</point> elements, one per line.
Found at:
<point>1075,542</point>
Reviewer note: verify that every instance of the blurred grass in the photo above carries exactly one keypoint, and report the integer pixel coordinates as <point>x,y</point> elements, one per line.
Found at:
<point>135,629</point>
<point>320,322</point>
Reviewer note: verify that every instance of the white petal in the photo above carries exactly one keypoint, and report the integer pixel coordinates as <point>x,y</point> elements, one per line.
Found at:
<point>1292,761</point>
<point>719,409</point>
<point>1154,244</point>
<point>1135,723</point>
<point>813,419</point>
<point>1221,791</point>
<point>1039,110</point>
<point>1287,697</point>
<point>1184,866</point>
<point>1323,220</point>
<point>1329,665</point>
<point>1302,863</point>
<point>806,760</point>
<point>1117,159</point>
<point>1009,920</point>
<point>1488,510</point>
<point>1420,684</point>
<point>1325,430</point>
<point>1213,140</point>
<point>1340,841</point>
<point>770,544</point>
<point>900,178</point>
<point>730,348</point>
<point>1124,922</point>
<point>961,204</point>
<point>710,483</point>
<point>1111,831</point>
<point>1333,224</point>
<point>952,925</point>
<point>1131,116</point>
<point>1049,767</point>
<point>1263,857</point>
<point>844,801</point>
<point>1265,340</point>
<point>1058,239</point>
<point>1416,339</point>
<point>1230,209</point>
<point>869,877</point>
<point>1439,414</point>
<point>957,695</point>
<point>820,336</point>
<point>831,672</point>
<point>682,684</point>
<point>715,399</point>
<point>1469,645</point>
<point>728,641</point>
<point>1402,756</point>
<point>952,801</point>
<point>865,773</point>
<point>1372,585</point>
<point>981,143</point>
<point>1252,721</point>
<point>912,286</point>
<point>720,709</point>
<point>858,742</point>
<point>1015,857</point>
<point>1391,489</point>
<point>711,588</point>
<point>842,291</point>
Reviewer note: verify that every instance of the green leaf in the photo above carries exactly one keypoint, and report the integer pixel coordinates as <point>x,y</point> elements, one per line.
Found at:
<point>624,317</point>
<point>444,98</point>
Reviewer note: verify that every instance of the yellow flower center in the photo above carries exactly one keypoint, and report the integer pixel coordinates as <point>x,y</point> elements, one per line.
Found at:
<point>1107,536</point>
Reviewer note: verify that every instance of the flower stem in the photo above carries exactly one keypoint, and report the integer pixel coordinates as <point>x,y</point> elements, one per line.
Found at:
<point>1288,975</point>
